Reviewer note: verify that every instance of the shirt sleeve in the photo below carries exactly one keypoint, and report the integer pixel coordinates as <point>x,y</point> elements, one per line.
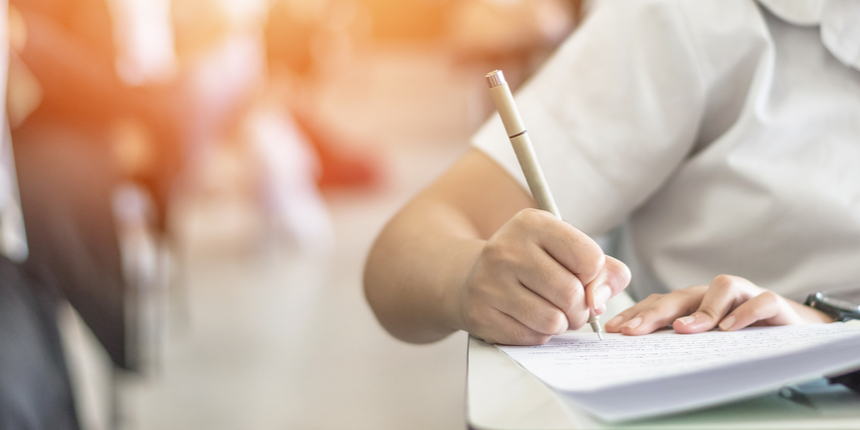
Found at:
<point>613,113</point>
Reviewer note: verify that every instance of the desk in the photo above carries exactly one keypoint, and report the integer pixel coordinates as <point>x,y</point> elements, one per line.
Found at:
<point>502,395</point>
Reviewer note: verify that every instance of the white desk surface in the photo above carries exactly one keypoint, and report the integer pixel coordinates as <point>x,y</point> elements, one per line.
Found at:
<point>502,395</point>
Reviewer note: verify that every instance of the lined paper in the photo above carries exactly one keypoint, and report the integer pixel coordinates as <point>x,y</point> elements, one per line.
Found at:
<point>581,362</point>
<point>627,377</point>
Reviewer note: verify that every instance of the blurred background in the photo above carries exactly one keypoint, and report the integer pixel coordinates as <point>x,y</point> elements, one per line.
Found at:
<point>247,152</point>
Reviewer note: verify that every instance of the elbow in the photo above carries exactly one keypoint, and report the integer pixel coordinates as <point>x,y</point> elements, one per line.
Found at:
<point>381,294</point>
<point>371,286</point>
<point>378,294</point>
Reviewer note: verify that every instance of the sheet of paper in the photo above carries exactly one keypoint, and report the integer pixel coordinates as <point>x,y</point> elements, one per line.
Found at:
<point>624,378</point>
<point>581,362</point>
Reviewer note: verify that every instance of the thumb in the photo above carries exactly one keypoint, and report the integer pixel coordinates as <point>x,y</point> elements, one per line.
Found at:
<point>613,278</point>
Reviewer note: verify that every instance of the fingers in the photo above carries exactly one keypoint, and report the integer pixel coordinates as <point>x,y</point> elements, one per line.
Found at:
<point>768,307</point>
<point>563,260</point>
<point>494,326</point>
<point>494,290</point>
<point>573,249</point>
<point>533,311</point>
<point>656,311</point>
<point>661,314</point>
<point>564,290</point>
<point>533,271</point>
<point>724,294</point>
<point>613,277</point>
<point>614,324</point>
<point>549,279</point>
<point>729,302</point>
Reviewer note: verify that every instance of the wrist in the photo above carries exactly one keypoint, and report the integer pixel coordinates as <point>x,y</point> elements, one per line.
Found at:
<point>809,314</point>
<point>453,287</point>
<point>819,317</point>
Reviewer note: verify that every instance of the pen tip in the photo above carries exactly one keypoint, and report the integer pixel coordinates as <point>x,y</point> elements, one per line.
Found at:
<point>600,335</point>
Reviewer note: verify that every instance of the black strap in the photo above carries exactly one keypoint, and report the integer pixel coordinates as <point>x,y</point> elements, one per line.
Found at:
<point>850,380</point>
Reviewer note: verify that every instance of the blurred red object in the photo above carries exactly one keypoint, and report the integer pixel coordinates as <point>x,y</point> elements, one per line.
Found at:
<point>342,166</point>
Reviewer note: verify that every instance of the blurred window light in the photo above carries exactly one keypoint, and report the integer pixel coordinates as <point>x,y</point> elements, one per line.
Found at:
<point>144,38</point>
<point>306,10</point>
<point>244,14</point>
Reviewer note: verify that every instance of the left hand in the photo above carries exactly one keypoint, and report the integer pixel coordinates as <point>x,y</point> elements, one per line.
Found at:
<point>730,302</point>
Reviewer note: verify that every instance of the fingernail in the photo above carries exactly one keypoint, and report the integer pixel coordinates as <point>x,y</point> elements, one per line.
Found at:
<point>687,320</point>
<point>635,322</point>
<point>601,295</point>
<point>727,323</point>
<point>613,321</point>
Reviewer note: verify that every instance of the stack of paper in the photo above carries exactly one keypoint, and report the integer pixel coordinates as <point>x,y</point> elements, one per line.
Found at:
<point>626,377</point>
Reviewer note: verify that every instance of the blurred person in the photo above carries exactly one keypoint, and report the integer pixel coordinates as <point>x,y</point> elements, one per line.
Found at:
<point>723,135</point>
<point>67,167</point>
<point>35,391</point>
<point>64,100</point>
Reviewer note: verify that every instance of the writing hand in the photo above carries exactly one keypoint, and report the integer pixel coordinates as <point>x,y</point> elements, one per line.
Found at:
<point>535,277</point>
<point>729,302</point>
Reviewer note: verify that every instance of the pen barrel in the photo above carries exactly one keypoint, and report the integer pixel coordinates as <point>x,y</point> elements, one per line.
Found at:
<point>522,144</point>
<point>533,173</point>
<point>504,101</point>
<point>516,131</point>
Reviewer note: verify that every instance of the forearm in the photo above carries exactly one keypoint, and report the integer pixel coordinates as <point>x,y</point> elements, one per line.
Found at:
<point>471,253</point>
<point>417,267</point>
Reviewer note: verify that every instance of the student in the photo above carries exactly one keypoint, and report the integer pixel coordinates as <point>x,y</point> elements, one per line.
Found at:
<point>63,96</point>
<point>723,135</point>
<point>35,392</point>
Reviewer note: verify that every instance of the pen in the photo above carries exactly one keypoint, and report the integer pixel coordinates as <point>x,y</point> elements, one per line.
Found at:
<point>516,131</point>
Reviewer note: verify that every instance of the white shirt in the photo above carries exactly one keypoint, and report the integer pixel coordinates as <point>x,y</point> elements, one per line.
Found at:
<point>726,136</point>
<point>13,240</point>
